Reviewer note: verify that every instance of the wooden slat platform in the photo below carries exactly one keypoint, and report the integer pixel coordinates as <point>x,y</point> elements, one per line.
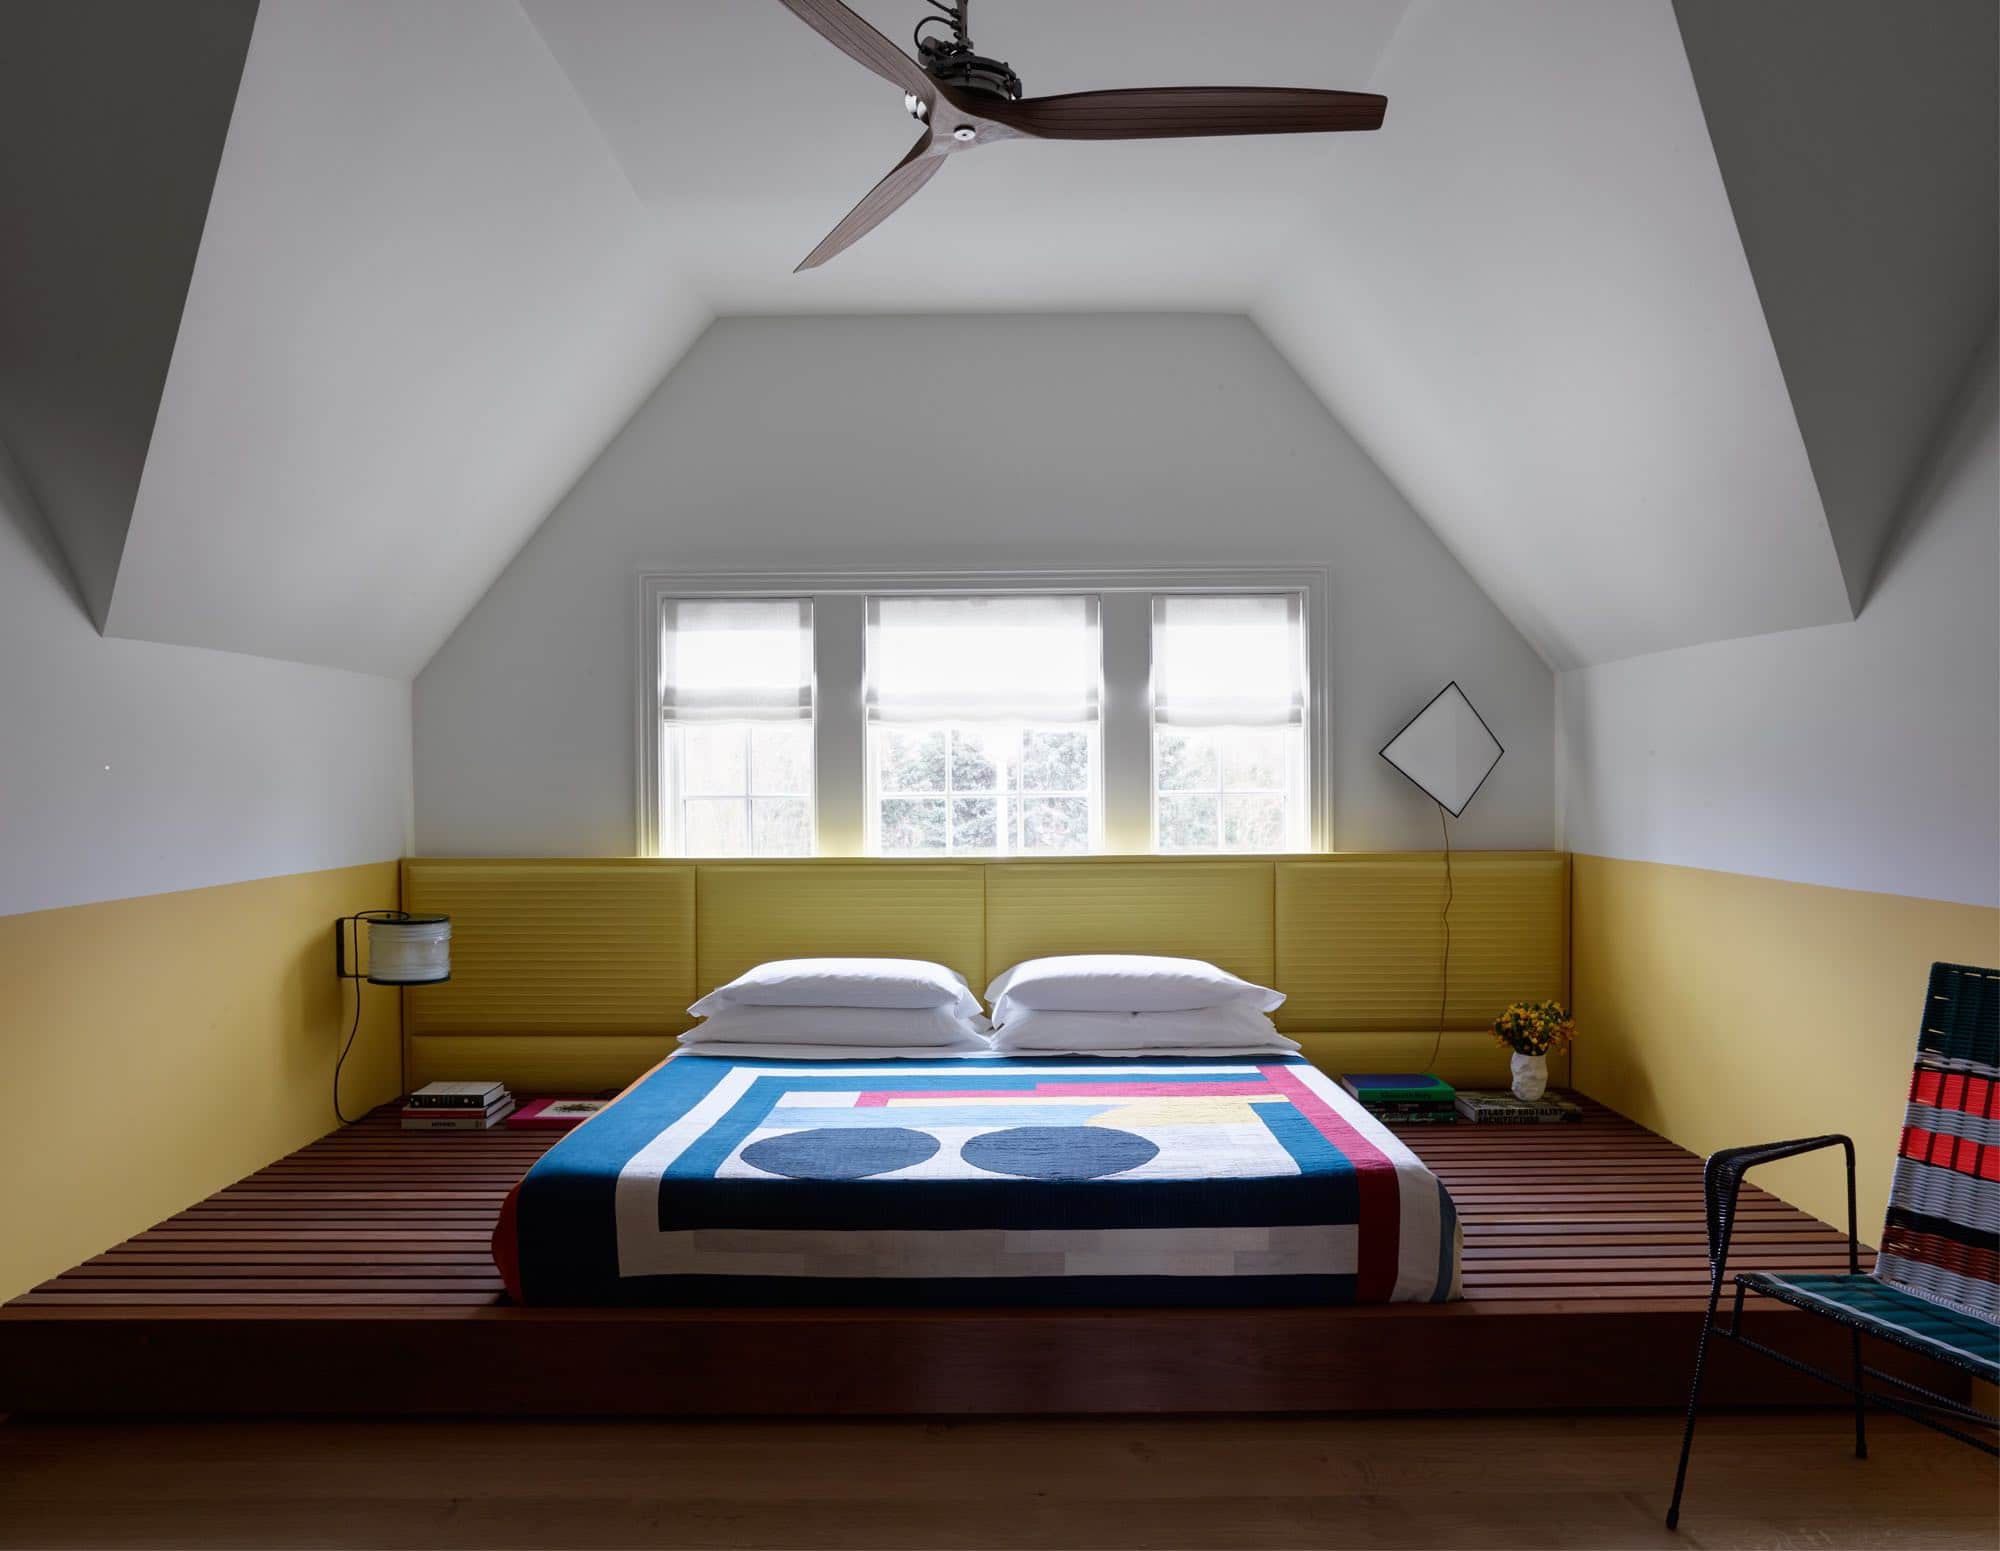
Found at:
<point>354,1277</point>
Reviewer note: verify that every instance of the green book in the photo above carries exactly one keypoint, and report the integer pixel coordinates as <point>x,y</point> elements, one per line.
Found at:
<point>1398,1088</point>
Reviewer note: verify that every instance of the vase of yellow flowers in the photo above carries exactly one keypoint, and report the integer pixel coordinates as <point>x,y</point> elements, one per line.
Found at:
<point>1531,1030</point>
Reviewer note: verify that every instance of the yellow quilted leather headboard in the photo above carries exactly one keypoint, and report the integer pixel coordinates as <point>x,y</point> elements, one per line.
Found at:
<point>1360,937</point>
<point>752,911</point>
<point>593,947</point>
<point>1219,910</point>
<point>574,975</point>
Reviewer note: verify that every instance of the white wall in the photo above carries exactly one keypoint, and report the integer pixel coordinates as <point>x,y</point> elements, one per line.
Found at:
<point>129,768</point>
<point>1864,755</point>
<point>952,443</point>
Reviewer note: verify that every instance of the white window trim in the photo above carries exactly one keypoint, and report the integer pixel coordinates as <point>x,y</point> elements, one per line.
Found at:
<point>839,728</point>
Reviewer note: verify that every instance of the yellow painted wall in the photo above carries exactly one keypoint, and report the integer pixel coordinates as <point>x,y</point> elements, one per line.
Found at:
<point>153,1050</point>
<point>1719,1009</point>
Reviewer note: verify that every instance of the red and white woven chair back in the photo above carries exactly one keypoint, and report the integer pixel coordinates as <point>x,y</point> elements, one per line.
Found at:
<point>1941,1239</point>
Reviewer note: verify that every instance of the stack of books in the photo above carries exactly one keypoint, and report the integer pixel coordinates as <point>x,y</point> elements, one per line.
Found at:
<point>1494,1108</point>
<point>457,1106</point>
<point>1403,1098</point>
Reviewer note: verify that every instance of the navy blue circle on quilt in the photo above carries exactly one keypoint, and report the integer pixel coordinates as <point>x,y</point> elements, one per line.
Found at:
<point>1058,1152</point>
<point>840,1152</point>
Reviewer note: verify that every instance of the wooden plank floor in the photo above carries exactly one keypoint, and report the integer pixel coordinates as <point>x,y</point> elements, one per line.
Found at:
<point>1539,1481</point>
<point>371,1215</point>
<point>1586,1239</point>
<point>1603,1211</point>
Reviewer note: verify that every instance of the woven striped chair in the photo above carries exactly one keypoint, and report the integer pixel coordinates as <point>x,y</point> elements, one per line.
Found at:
<point>1935,1288</point>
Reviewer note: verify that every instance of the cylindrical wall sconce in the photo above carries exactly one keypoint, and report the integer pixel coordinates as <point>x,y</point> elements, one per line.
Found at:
<point>403,949</point>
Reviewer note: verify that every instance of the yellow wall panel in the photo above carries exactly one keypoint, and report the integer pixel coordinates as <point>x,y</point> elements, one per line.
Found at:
<point>591,1063</point>
<point>754,911</point>
<point>154,1050</point>
<point>1720,1009</point>
<point>557,947</point>
<point>1466,1058</point>
<point>1360,938</point>
<point>1219,910</point>
<point>570,975</point>
<point>534,1064</point>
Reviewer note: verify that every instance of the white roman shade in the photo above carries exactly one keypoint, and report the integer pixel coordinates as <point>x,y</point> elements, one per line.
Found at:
<point>736,660</point>
<point>1229,660</point>
<point>1011,659</point>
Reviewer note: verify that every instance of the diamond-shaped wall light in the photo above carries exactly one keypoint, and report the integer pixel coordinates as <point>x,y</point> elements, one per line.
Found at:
<point>1447,749</point>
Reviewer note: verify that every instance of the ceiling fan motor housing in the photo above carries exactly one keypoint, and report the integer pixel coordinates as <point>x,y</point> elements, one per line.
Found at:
<point>956,65</point>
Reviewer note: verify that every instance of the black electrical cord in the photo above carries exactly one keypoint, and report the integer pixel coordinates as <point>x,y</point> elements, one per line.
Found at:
<point>952,17</point>
<point>1444,972</point>
<point>341,1060</point>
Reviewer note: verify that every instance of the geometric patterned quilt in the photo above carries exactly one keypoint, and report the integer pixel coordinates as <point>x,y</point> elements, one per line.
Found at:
<point>992,1180</point>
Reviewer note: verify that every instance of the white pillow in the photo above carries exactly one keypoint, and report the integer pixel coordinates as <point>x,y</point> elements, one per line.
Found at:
<point>973,1047</point>
<point>1122,982</point>
<point>844,983</point>
<point>736,1024</point>
<point>1238,1028</point>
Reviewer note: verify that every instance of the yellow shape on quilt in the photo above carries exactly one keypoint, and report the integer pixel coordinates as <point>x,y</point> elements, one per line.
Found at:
<point>1204,1110</point>
<point>985,1100</point>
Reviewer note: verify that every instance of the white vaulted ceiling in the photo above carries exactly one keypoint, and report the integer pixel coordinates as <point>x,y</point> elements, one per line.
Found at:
<point>425,299</point>
<point>1531,305</point>
<point>452,246</point>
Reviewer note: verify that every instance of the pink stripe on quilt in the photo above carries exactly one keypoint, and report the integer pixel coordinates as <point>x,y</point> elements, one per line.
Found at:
<point>1381,1225</point>
<point>1081,1090</point>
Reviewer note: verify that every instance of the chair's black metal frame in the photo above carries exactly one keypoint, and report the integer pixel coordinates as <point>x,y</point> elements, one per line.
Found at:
<point>1721,1184</point>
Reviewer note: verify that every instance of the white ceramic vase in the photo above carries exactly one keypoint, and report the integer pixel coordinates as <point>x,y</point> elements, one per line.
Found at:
<point>1531,1076</point>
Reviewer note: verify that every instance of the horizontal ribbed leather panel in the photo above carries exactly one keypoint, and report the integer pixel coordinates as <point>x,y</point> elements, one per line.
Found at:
<point>1218,910</point>
<point>620,947</point>
<point>751,912</point>
<point>590,1063</point>
<point>1360,939</point>
<point>1465,1058</point>
<point>548,947</point>
<point>574,1063</point>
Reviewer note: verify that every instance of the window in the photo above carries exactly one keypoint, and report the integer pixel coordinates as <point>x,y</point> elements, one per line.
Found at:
<point>983,714</point>
<point>1229,712</point>
<point>982,736</point>
<point>736,706</point>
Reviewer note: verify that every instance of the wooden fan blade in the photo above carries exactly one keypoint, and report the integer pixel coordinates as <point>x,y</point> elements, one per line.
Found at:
<point>862,43</point>
<point>881,202</point>
<point>1162,112</point>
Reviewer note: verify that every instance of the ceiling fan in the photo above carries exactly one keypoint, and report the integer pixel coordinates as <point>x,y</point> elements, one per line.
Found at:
<point>965,100</point>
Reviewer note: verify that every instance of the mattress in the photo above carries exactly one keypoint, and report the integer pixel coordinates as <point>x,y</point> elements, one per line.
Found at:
<point>995,1180</point>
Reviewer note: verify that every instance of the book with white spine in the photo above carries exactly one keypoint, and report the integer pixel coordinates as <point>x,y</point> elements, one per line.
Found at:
<point>1493,1107</point>
<point>457,1120</point>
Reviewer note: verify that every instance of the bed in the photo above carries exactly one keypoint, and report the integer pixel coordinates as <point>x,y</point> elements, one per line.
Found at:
<point>1067,1181</point>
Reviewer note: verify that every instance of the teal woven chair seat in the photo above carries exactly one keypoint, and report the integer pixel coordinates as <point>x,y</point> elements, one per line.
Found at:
<point>1880,1310</point>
